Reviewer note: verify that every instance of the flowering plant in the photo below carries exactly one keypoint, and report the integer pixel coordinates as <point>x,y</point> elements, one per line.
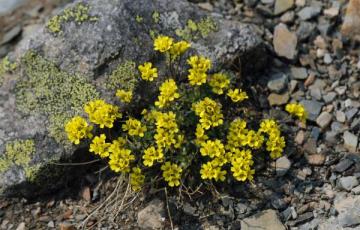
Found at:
<point>186,129</point>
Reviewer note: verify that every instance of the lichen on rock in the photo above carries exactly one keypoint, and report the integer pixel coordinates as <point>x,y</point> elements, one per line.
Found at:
<point>79,13</point>
<point>6,66</point>
<point>47,90</point>
<point>196,30</point>
<point>19,153</point>
<point>123,77</point>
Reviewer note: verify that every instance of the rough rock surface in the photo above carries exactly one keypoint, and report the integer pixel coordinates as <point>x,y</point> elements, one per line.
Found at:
<point>60,71</point>
<point>266,220</point>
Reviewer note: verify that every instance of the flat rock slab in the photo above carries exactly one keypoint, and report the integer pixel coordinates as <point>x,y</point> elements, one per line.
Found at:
<point>266,220</point>
<point>59,72</point>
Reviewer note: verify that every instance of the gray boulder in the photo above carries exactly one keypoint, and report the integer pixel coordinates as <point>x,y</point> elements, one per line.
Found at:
<point>88,51</point>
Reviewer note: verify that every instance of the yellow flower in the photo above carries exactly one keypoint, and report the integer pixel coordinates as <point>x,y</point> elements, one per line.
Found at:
<point>199,66</point>
<point>166,130</point>
<point>237,135</point>
<point>163,43</point>
<point>209,112</point>
<point>237,95</point>
<point>219,82</point>
<point>212,148</point>
<point>125,96</point>
<point>171,173</point>
<point>77,128</point>
<point>134,127</point>
<point>297,110</point>
<point>147,72</point>
<point>99,146</point>
<point>241,163</point>
<point>168,93</point>
<point>211,171</point>
<point>151,154</point>
<point>136,179</point>
<point>254,139</point>
<point>196,77</point>
<point>116,145</point>
<point>120,160</point>
<point>199,63</point>
<point>275,143</point>
<point>102,113</point>
<point>179,48</point>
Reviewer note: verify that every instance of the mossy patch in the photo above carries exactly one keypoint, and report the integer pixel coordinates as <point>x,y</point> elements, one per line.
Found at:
<point>79,14</point>
<point>139,19</point>
<point>19,153</point>
<point>44,89</point>
<point>156,17</point>
<point>196,30</point>
<point>6,66</point>
<point>123,77</point>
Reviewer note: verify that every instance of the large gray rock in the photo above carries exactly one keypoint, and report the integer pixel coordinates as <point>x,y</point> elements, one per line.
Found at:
<point>90,56</point>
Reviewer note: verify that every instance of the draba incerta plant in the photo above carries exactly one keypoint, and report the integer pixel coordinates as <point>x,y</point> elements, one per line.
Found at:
<point>184,129</point>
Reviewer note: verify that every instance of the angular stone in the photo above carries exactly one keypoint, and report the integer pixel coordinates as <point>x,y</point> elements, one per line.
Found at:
<point>340,116</point>
<point>278,99</point>
<point>284,42</point>
<point>277,82</point>
<point>300,137</point>
<point>313,108</point>
<point>350,141</point>
<point>152,216</point>
<point>329,97</point>
<point>309,12</point>
<point>282,6</point>
<point>324,119</point>
<point>282,166</point>
<point>315,159</point>
<point>59,72</point>
<point>343,165</point>
<point>351,23</point>
<point>265,220</point>
<point>299,73</point>
<point>348,182</point>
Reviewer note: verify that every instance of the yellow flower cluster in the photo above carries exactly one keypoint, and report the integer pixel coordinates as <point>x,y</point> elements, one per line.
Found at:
<point>166,44</point>
<point>134,127</point>
<point>179,48</point>
<point>171,173</point>
<point>237,95</point>
<point>168,93</point>
<point>201,137</point>
<point>199,66</point>
<point>136,179</point>
<point>99,146</point>
<point>239,136</point>
<point>275,143</point>
<point>219,82</point>
<point>212,149</point>
<point>297,110</point>
<point>151,154</point>
<point>167,131</point>
<point>209,112</point>
<point>102,113</point>
<point>163,43</point>
<point>211,170</point>
<point>124,96</point>
<point>120,160</point>
<point>241,163</point>
<point>147,72</point>
<point>77,128</point>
